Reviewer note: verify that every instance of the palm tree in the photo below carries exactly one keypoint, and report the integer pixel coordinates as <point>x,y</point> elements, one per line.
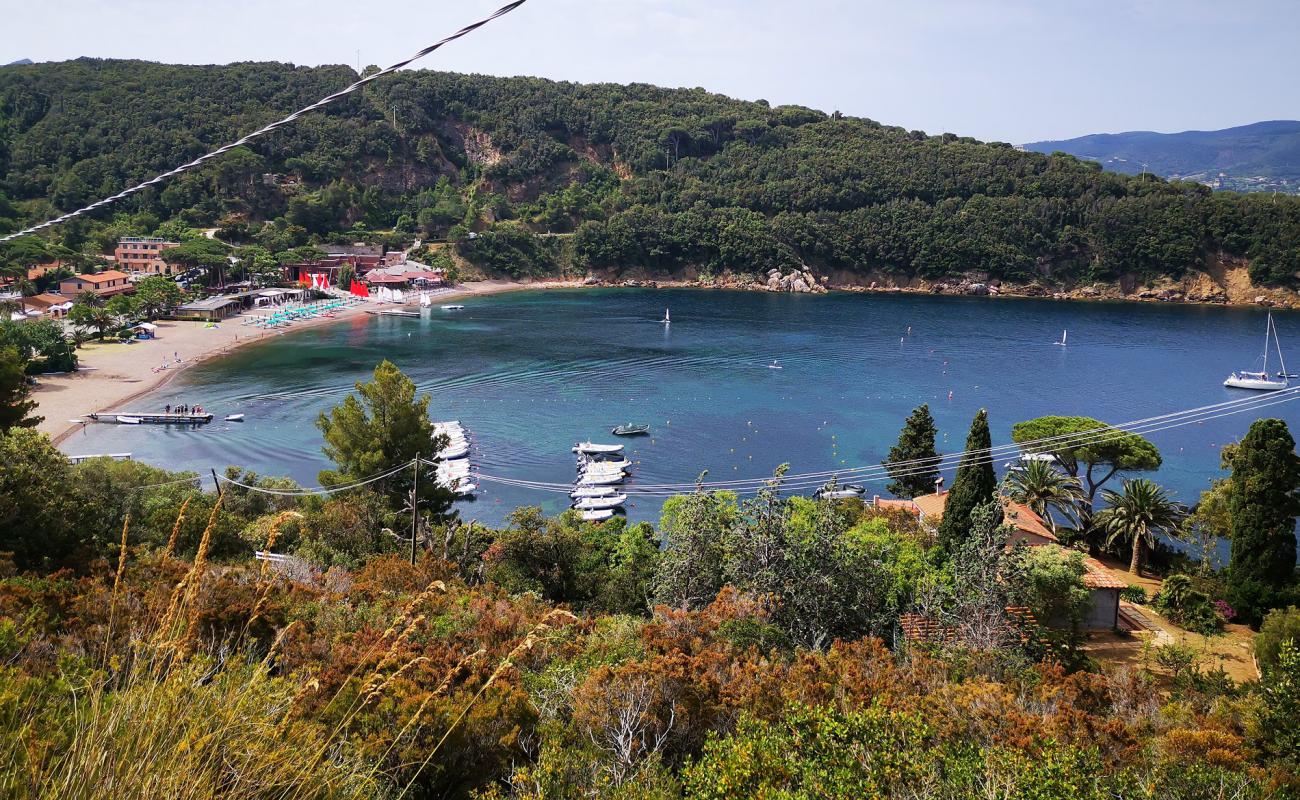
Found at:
<point>1139,514</point>
<point>1045,489</point>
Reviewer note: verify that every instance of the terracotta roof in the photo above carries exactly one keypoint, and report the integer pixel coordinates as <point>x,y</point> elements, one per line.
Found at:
<point>1098,577</point>
<point>931,505</point>
<point>1026,520</point>
<point>1021,516</point>
<point>45,300</point>
<point>103,277</point>
<point>901,505</point>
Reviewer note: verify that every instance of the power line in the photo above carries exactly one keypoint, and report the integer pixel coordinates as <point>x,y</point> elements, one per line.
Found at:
<point>923,466</point>
<point>500,12</point>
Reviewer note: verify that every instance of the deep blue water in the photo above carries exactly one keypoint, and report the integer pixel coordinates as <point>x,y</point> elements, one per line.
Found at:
<point>530,373</point>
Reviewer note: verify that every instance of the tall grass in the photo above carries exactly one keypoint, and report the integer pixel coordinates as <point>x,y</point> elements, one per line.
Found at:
<point>165,718</point>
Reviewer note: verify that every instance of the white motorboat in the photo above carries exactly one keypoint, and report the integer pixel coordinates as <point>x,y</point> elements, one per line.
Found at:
<point>591,448</point>
<point>454,451</point>
<point>592,491</point>
<point>234,418</point>
<point>602,479</point>
<point>609,501</point>
<point>839,491</point>
<point>1262,381</point>
<point>604,466</point>
<point>774,365</point>
<point>453,308</point>
<point>596,514</point>
<point>125,420</point>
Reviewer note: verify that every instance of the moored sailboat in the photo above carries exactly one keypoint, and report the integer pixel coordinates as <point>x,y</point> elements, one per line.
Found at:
<point>1262,381</point>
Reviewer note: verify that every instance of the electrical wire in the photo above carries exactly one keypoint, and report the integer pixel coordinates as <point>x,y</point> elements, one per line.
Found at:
<point>924,466</point>
<point>318,490</point>
<point>500,12</point>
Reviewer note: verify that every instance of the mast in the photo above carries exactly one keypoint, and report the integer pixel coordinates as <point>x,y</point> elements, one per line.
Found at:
<point>1277,342</point>
<point>1268,328</point>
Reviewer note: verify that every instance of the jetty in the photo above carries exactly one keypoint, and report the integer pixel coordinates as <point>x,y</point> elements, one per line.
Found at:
<point>152,417</point>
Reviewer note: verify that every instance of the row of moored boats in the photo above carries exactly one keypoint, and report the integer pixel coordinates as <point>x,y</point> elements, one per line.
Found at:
<point>602,468</point>
<point>453,469</point>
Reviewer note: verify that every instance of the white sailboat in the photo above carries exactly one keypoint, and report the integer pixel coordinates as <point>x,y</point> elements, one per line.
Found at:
<point>1064,335</point>
<point>1262,381</point>
<point>668,319</point>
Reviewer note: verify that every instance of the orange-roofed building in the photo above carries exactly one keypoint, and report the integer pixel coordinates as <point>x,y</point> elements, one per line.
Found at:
<point>1029,527</point>
<point>104,284</point>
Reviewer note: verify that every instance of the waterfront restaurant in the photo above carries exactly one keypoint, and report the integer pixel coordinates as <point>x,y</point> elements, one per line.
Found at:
<point>215,309</point>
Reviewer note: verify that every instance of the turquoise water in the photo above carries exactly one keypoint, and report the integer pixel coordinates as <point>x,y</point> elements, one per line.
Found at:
<point>531,373</point>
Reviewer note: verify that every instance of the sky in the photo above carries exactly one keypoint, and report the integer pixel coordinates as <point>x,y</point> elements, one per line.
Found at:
<point>998,70</point>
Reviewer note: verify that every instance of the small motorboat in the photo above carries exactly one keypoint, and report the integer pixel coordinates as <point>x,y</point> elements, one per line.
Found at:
<point>453,308</point>
<point>125,420</point>
<point>234,418</point>
<point>604,466</point>
<point>630,430</point>
<point>839,491</point>
<point>592,491</point>
<point>596,514</point>
<point>454,451</point>
<point>774,365</point>
<point>591,448</point>
<point>601,479</point>
<point>593,503</point>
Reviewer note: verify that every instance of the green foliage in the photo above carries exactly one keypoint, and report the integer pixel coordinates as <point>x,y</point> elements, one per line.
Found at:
<point>1189,607</point>
<point>509,249</point>
<point>1279,725</point>
<point>15,407</point>
<point>1263,504</point>
<point>1114,453</point>
<point>1049,580</point>
<point>1046,490</point>
<point>156,294</point>
<point>384,429</point>
<point>1143,512</point>
<point>693,528</point>
<point>1281,625</point>
<point>916,449</point>
<point>39,514</point>
<point>974,484</point>
<point>42,343</point>
<point>607,568</point>
<point>813,753</point>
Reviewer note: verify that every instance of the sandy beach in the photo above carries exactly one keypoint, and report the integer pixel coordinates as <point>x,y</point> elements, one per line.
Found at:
<point>110,376</point>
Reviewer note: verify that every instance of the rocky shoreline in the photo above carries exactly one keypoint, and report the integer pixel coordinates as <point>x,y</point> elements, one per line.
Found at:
<point>1226,285</point>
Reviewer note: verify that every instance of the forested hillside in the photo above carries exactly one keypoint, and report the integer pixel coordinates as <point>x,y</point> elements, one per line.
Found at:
<point>663,180</point>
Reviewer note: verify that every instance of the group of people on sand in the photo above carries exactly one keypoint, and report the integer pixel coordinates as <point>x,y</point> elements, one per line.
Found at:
<point>169,409</point>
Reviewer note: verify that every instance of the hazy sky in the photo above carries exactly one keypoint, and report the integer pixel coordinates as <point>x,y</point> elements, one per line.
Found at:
<point>1011,70</point>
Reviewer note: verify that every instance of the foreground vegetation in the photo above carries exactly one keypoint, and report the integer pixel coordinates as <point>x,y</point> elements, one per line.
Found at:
<point>744,647</point>
<point>671,181</point>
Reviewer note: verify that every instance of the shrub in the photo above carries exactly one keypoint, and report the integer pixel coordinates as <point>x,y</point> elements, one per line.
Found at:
<point>1135,594</point>
<point>1280,625</point>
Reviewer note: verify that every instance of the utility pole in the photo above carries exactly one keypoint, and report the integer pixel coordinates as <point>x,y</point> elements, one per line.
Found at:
<point>415,507</point>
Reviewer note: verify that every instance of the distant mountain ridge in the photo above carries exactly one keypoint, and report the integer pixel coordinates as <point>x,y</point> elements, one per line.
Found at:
<point>1263,156</point>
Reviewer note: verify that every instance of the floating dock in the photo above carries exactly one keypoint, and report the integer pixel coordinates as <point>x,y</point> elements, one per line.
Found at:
<point>153,417</point>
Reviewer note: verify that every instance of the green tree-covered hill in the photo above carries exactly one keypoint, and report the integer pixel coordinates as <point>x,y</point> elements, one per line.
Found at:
<point>659,179</point>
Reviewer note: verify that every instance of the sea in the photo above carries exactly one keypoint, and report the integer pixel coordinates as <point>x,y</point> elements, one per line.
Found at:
<point>738,384</point>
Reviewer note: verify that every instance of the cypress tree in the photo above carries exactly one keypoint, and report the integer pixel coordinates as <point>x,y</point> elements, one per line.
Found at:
<point>1263,505</point>
<point>974,485</point>
<point>915,444</point>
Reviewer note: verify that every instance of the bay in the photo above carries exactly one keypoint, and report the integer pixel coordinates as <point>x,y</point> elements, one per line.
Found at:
<point>530,373</point>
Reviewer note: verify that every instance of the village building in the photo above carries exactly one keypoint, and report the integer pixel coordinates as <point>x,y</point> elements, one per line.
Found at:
<point>46,304</point>
<point>1030,529</point>
<point>144,254</point>
<point>104,284</point>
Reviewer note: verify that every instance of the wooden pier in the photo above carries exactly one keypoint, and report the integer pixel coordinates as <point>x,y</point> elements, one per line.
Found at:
<point>153,417</point>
